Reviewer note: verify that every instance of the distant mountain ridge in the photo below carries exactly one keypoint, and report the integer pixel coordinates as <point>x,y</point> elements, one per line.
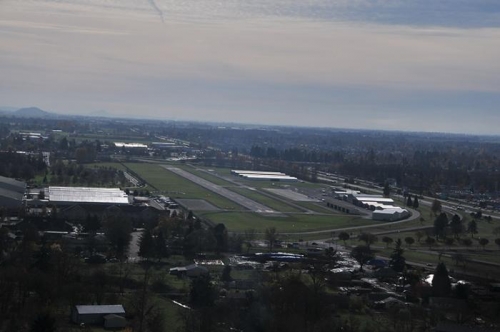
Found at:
<point>33,112</point>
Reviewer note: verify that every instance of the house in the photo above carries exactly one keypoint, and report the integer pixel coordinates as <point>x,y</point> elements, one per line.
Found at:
<point>95,314</point>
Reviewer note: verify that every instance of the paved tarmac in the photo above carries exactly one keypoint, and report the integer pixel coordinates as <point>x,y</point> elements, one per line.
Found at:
<point>237,198</point>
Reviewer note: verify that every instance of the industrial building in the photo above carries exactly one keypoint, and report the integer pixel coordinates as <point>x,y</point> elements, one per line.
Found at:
<point>130,145</point>
<point>80,203</point>
<point>264,176</point>
<point>392,213</point>
<point>64,196</point>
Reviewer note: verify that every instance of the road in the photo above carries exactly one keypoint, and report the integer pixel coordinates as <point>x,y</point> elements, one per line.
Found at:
<point>133,248</point>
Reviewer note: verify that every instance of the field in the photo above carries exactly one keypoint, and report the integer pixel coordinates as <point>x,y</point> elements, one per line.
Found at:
<point>176,186</point>
<point>291,218</point>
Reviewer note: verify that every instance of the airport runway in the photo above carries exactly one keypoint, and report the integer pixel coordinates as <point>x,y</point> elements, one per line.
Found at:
<point>237,198</point>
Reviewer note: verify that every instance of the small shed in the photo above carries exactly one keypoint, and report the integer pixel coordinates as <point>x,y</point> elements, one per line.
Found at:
<point>113,321</point>
<point>94,314</point>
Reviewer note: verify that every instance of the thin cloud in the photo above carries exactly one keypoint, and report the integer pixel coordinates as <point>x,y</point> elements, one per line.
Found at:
<point>253,61</point>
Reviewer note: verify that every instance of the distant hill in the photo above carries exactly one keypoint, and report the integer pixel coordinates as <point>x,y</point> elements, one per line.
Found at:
<point>33,112</point>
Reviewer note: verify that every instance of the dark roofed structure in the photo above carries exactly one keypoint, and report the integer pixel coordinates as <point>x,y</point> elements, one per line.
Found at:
<point>12,185</point>
<point>11,193</point>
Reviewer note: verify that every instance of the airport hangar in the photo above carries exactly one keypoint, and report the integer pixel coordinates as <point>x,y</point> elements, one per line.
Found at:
<point>80,203</point>
<point>264,176</point>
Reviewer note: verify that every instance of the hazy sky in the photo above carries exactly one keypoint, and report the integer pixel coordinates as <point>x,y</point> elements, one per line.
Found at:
<point>425,65</point>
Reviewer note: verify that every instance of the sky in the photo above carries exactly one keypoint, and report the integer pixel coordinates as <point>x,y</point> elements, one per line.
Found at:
<point>427,65</point>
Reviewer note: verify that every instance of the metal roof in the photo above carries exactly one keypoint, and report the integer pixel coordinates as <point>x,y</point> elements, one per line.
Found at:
<point>87,195</point>
<point>100,309</point>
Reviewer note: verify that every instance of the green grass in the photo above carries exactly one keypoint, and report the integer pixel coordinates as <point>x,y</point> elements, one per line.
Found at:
<point>266,200</point>
<point>117,166</point>
<point>176,186</point>
<point>206,176</point>
<point>487,271</point>
<point>294,223</point>
<point>316,207</point>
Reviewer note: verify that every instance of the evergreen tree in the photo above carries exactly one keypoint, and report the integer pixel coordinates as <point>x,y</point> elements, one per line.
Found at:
<point>146,244</point>
<point>409,201</point>
<point>415,203</point>
<point>440,224</point>
<point>387,189</point>
<point>456,225</point>
<point>397,262</point>
<point>160,245</point>
<point>441,285</point>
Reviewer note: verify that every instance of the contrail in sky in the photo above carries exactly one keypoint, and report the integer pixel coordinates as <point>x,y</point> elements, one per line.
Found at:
<point>157,9</point>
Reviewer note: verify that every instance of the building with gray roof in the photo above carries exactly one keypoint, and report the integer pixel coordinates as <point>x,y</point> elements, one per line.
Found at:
<point>85,195</point>
<point>94,314</point>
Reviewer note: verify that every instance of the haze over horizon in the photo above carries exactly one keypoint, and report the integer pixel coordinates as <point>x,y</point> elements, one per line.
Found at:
<point>398,65</point>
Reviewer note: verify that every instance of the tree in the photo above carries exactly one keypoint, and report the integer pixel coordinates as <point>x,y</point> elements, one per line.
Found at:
<point>397,262</point>
<point>160,245</point>
<point>449,241</point>
<point>409,201</point>
<point>456,225</point>
<point>344,236</point>
<point>467,242</point>
<point>440,224</point>
<point>387,189</point>
<point>362,254</point>
<point>199,241</point>
<point>430,241</point>
<point>458,258</point>
<point>472,228</point>
<point>416,204</point>
<point>441,285</point>
<point>220,234</point>
<point>202,293</point>
<point>436,207</point>
<point>249,237</point>
<point>483,242</point>
<point>271,235</point>
<point>368,238</point>
<point>44,323</point>
<point>119,233</point>
<point>226,273</point>
<point>419,235</point>
<point>409,240</point>
<point>146,244</point>
<point>387,240</point>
